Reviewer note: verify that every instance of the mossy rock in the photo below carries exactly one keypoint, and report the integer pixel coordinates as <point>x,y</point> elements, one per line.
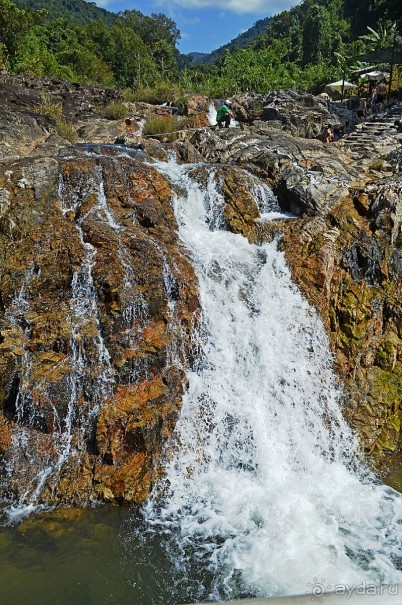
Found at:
<point>387,353</point>
<point>390,435</point>
<point>385,387</point>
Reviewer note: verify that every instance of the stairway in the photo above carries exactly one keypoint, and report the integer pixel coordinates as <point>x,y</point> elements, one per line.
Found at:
<point>379,133</point>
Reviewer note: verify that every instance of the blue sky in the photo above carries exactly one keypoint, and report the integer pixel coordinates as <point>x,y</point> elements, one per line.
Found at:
<point>205,24</point>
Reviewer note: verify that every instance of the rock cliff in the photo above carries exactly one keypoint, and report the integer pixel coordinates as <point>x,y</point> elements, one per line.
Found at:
<point>99,301</point>
<point>98,308</point>
<point>344,250</point>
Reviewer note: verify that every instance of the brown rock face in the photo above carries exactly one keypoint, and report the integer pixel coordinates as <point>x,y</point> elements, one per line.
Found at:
<point>98,301</point>
<point>98,305</point>
<point>344,251</point>
<point>348,265</point>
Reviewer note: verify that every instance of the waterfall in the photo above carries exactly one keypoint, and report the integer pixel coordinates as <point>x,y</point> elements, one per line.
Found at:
<point>263,493</point>
<point>89,381</point>
<point>211,115</point>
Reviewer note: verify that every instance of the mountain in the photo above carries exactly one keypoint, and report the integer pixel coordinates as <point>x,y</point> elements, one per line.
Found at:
<point>241,41</point>
<point>77,11</point>
<point>197,57</point>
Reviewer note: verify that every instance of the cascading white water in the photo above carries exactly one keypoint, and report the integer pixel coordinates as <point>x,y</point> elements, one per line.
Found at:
<point>86,373</point>
<point>262,494</point>
<point>211,115</point>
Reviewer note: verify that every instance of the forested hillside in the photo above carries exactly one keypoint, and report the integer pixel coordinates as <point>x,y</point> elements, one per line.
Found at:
<point>240,41</point>
<point>304,47</point>
<point>132,50</point>
<point>315,42</point>
<point>78,12</point>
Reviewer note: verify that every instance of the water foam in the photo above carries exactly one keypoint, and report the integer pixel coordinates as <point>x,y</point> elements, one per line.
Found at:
<point>263,494</point>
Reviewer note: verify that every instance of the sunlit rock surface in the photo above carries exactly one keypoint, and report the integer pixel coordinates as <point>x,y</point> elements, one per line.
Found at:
<point>98,306</point>
<point>99,301</point>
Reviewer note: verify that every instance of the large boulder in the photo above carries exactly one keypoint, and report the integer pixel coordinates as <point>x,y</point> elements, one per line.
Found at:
<point>307,176</point>
<point>302,114</point>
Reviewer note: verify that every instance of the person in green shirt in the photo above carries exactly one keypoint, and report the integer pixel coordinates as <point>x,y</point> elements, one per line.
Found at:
<point>224,115</point>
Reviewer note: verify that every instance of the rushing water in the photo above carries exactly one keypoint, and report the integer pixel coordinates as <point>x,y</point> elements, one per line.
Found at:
<point>263,494</point>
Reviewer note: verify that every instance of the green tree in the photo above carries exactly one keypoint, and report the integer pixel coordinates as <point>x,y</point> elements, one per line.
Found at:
<point>317,43</point>
<point>14,25</point>
<point>131,60</point>
<point>150,29</point>
<point>381,38</point>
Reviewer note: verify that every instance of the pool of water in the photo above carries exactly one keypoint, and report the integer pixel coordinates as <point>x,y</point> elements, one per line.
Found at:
<point>100,556</point>
<point>87,557</point>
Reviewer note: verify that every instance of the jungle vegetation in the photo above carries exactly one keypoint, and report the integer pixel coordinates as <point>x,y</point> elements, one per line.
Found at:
<point>305,47</point>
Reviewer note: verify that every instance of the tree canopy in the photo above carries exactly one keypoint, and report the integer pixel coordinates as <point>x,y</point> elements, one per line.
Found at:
<point>303,47</point>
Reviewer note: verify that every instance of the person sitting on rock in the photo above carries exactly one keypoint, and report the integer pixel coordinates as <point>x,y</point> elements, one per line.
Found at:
<point>329,137</point>
<point>338,131</point>
<point>224,115</point>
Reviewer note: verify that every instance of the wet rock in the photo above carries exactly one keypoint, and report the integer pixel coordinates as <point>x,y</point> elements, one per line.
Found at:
<point>238,211</point>
<point>307,176</point>
<point>98,304</point>
<point>84,224</point>
<point>347,264</point>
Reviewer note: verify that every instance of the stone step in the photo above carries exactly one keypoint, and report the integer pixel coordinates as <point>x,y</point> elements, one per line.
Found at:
<point>352,137</point>
<point>359,146</point>
<point>376,133</point>
<point>376,125</point>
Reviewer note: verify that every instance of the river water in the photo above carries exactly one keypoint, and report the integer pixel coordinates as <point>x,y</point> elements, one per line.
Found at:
<point>263,493</point>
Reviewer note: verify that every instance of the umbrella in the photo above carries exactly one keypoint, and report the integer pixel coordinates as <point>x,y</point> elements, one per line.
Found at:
<point>338,85</point>
<point>375,75</point>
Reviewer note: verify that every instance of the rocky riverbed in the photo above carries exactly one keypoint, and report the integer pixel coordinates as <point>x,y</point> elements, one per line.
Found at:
<point>99,301</point>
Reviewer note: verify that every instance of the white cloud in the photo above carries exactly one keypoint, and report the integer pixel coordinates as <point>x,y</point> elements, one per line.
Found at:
<point>257,7</point>
<point>188,20</point>
<point>102,3</point>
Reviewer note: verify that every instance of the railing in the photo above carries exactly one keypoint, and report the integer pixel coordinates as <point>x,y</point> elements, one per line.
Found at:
<point>366,594</point>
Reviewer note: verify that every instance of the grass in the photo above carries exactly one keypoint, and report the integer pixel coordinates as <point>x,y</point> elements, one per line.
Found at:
<point>156,95</point>
<point>378,164</point>
<point>162,125</point>
<point>115,110</point>
<point>49,108</point>
<point>167,126</point>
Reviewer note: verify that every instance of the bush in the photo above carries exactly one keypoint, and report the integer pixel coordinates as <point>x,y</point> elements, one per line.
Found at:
<point>162,125</point>
<point>161,93</point>
<point>67,131</point>
<point>50,109</point>
<point>115,110</point>
<point>55,110</point>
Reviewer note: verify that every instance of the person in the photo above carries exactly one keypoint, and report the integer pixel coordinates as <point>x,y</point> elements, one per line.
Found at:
<point>381,95</point>
<point>224,115</point>
<point>361,110</point>
<point>329,137</point>
<point>338,131</point>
